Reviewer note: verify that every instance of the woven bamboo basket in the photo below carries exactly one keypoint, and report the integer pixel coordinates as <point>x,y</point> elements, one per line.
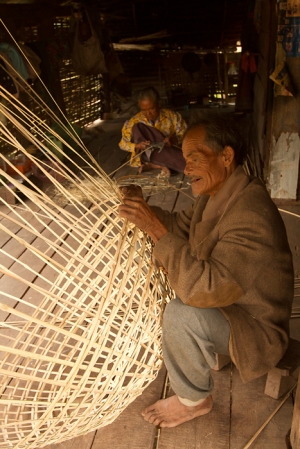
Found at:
<point>80,298</point>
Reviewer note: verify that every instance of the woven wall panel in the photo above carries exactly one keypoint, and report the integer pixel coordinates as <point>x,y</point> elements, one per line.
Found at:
<point>81,95</point>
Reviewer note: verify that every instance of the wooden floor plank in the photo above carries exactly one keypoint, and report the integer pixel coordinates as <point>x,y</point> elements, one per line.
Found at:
<point>185,197</point>
<point>206,432</point>
<point>13,247</point>
<point>166,199</point>
<point>250,408</point>
<point>108,154</point>
<point>125,170</point>
<point>129,430</point>
<point>13,227</point>
<point>82,442</point>
<point>3,210</point>
<point>9,284</point>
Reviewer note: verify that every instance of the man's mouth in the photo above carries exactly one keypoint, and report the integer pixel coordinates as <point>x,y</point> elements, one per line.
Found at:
<point>195,180</point>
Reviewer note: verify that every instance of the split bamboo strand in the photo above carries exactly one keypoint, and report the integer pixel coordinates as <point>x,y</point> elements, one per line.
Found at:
<point>262,427</point>
<point>80,299</point>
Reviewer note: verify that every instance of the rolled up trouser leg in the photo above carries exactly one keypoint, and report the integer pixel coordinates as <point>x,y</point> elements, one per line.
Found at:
<point>191,337</point>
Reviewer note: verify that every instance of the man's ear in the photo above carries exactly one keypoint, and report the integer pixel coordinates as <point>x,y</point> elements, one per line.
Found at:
<point>228,154</point>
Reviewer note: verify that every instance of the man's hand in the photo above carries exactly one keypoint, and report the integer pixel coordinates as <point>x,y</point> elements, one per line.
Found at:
<point>142,145</point>
<point>136,210</point>
<point>132,190</point>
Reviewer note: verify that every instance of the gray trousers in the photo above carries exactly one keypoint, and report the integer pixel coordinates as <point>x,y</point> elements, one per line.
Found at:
<point>191,337</point>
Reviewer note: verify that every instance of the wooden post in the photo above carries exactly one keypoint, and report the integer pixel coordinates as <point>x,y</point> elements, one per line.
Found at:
<point>106,92</point>
<point>220,82</point>
<point>46,31</point>
<point>225,77</point>
<point>295,432</point>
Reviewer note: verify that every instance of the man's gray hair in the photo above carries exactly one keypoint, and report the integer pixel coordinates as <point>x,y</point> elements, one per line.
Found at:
<point>221,130</point>
<point>149,93</point>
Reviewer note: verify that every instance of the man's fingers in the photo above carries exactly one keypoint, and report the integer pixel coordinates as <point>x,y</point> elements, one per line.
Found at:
<point>132,191</point>
<point>132,201</point>
<point>126,211</point>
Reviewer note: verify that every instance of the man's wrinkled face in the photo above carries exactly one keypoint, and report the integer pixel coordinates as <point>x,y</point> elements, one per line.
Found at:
<point>149,109</point>
<point>206,168</point>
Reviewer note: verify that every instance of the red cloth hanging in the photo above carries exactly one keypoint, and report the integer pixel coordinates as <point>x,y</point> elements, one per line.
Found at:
<point>248,63</point>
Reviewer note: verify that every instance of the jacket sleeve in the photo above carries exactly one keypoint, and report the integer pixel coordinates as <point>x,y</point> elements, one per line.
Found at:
<point>177,223</point>
<point>243,247</point>
<point>125,143</point>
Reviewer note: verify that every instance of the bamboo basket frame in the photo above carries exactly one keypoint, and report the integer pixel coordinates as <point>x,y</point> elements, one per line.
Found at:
<point>80,329</point>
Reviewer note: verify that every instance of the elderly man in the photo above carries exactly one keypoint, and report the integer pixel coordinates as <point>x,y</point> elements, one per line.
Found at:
<point>229,262</point>
<point>153,124</point>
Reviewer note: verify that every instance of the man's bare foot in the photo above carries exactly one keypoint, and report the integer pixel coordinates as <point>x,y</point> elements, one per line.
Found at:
<point>171,412</point>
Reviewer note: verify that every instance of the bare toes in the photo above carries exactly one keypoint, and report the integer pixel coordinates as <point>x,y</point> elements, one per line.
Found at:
<point>163,424</point>
<point>151,419</point>
<point>157,422</point>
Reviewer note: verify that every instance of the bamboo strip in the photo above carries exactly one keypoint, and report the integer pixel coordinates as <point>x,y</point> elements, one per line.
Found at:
<point>288,212</point>
<point>80,310</point>
<point>269,418</point>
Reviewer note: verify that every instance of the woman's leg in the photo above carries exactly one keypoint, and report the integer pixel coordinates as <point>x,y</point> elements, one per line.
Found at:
<point>168,157</point>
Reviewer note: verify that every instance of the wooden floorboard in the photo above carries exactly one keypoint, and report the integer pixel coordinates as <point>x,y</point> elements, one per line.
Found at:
<point>12,214</point>
<point>130,430</point>
<point>8,284</point>
<point>13,247</point>
<point>250,409</point>
<point>82,442</point>
<point>185,197</point>
<point>166,198</point>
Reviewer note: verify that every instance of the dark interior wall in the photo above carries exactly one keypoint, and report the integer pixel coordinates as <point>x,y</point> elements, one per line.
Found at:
<point>164,70</point>
<point>207,25</point>
<point>263,86</point>
<point>190,25</point>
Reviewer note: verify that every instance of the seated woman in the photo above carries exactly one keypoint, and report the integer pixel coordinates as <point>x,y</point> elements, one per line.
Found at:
<point>150,125</point>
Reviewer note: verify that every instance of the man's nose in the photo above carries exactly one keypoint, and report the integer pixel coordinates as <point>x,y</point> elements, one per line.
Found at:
<point>188,168</point>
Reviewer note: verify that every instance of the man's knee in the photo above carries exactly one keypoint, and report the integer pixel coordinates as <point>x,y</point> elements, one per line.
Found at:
<point>176,314</point>
<point>171,313</point>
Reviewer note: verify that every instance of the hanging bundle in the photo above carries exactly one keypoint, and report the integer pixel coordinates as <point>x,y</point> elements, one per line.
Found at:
<point>80,299</point>
<point>87,56</point>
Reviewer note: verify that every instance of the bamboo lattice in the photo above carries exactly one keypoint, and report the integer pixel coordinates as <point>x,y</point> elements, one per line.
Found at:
<point>80,299</point>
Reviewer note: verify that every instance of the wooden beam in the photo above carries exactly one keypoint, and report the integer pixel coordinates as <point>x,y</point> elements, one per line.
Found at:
<point>32,13</point>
